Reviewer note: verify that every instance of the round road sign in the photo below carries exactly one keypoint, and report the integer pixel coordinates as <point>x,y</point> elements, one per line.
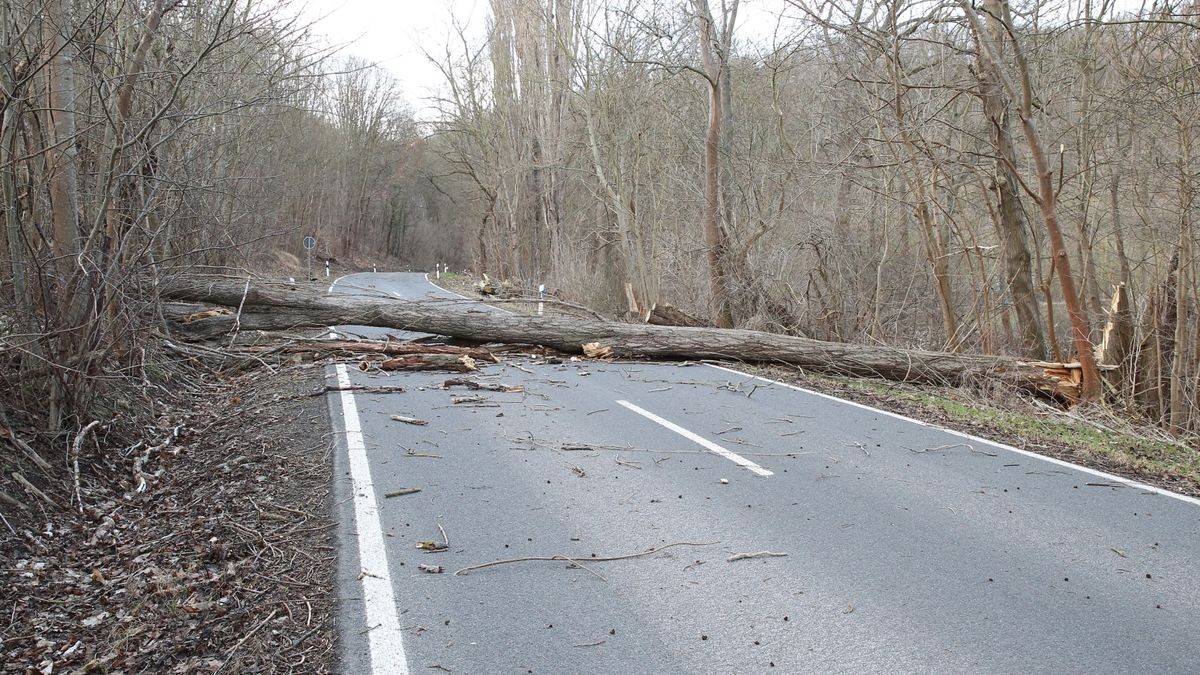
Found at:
<point>310,243</point>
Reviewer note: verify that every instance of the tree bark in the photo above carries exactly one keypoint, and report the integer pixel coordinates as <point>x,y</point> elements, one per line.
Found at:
<point>1011,224</point>
<point>713,236</point>
<point>626,340</point>
<point>60,123</point>
<point>1047,196</point>
<point>1180,409</point>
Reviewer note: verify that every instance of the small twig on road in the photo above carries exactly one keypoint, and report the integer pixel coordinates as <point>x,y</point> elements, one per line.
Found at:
<point>445,537</point>
<point>968,446</point>
<point>756,554</point>
<point>401,492</point>
<point>650,551</point>
<point>358,387</point>
<point>860,446</point>
<point>591,644</point>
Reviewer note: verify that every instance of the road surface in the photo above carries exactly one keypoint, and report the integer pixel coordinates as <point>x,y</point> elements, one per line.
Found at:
<point>908,548</point>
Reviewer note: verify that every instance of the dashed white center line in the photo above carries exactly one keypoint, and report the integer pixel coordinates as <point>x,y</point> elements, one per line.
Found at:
<point>700,440</point>
<point>383,623</point>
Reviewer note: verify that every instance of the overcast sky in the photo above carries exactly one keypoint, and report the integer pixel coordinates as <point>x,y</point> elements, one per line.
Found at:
<point>392,33</point>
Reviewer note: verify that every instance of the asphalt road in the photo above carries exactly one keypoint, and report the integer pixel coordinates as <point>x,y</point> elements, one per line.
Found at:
<point>909,548</point>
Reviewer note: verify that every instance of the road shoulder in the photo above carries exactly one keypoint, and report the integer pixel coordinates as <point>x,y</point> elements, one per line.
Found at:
<point>223,564</point>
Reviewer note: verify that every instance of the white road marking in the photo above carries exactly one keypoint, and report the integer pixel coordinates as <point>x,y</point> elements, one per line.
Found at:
<point>501,309</point>
<point>339,279</point>
<point>383,623</point>
<point>707,444</point>
<point>1094,472</point>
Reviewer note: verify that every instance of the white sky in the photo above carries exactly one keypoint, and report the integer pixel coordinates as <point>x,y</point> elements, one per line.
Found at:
<point>392,33</point>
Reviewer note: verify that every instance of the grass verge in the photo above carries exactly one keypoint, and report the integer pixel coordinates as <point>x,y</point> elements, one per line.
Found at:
<point>1093,437</point>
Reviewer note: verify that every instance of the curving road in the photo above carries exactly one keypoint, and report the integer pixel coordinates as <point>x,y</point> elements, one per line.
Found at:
<point>908,548</point>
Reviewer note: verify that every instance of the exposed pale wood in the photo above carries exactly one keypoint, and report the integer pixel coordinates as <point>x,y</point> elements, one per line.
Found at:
<point>635,340</point>
<point>1116,347</point>
<point>633,311</point>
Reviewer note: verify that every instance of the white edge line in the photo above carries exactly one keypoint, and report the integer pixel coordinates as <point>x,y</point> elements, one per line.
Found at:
<point>431,283</point>
<point>1094,472</point>
<point>335,281</point>
<point>383,623</point>
<point>700,440</point>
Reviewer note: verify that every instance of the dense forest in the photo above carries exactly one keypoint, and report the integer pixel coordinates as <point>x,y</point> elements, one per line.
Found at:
<point>976,177</point>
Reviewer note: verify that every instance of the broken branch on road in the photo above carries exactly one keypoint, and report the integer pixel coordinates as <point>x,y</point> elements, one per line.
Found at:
<point>485,386</point>
<point>756,554</point>
<point>951,446</point>
<point>575,560</point>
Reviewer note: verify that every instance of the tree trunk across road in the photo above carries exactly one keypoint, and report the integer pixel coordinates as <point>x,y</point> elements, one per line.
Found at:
<point>278,306</point>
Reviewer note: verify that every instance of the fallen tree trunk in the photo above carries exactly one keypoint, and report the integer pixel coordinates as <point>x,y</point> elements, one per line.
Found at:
<point>188,321</point>
<point>628,340</point>
<point>384,348</point>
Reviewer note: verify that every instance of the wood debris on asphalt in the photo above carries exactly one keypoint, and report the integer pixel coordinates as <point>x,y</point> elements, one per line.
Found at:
<point>485,386</point>
<point>756,554</point>
<point>401,492</point>
<point>576,560</point>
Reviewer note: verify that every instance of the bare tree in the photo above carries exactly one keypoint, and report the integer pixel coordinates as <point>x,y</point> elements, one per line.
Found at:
<point>1045,194</point>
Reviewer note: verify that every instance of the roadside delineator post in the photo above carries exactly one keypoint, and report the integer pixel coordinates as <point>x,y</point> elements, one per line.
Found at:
<point>541,297</point>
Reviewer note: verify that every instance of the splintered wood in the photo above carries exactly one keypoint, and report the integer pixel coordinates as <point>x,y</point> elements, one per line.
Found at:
<point>595,350</point>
